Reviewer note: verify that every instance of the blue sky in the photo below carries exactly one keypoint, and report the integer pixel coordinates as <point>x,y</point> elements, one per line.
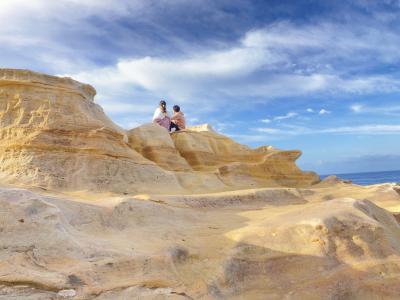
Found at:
<point>320,76</point>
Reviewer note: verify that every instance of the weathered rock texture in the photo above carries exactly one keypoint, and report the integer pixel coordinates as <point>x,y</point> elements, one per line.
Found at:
<point>155,144</point>
<point>238,165</point>
<point>275,243</point>
<point>203,217</point>
<point>54,136</point>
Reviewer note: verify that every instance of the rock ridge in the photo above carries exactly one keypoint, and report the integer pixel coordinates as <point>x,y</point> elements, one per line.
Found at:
<point>53,135</point>
<point>26,77</point>
<point>142,214</point>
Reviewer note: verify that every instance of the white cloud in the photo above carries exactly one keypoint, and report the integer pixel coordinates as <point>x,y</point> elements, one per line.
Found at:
<point>365,129</point>
<point>393,110</point>
<point>368,129</point>
<point>356,108</point>
<point>324,112</point>
<point>66,11</point>
<point>266,121</point>
<point>126,108</point>
<point>211,77</point>
<point>280,60</point>
<point>270,130</point>
<point>289,115</point>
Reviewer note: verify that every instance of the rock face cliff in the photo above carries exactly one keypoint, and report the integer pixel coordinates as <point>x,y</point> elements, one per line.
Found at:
<point>54,136</point>
<point>192,215</point>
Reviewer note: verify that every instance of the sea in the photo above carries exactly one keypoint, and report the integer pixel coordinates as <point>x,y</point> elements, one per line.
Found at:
<point>368,178</point>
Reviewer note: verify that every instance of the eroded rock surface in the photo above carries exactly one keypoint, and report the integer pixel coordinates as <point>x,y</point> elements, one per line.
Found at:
<point>54,135</point>
<point>155,143</point>
<point>109,214</point>
<point>292,246</point>
<point>238,165</point>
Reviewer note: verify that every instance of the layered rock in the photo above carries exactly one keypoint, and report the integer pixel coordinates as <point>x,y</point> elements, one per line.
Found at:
<point>278,243</point>
<point>343,248</point>
<point>188,233</point>
<point>239,165</point>
<point>155,143</point>
<point>54,136</point>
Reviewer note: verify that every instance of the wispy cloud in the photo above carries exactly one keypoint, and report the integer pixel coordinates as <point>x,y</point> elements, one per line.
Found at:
<point>231,63</point>
<point>369,129</point>
<point>276,61</point>
<point>386,109</point>
<point>220,70</point>
<point>265,134</point>
<point>289,115</point>
<point>356,108</point>
<point>321,111</point>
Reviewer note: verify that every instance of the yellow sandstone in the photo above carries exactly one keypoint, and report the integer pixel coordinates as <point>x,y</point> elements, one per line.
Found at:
<point>91,211</point>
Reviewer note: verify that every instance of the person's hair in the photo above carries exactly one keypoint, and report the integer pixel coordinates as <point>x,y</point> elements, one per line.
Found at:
<point>176,108</point>
<point>163,106</point>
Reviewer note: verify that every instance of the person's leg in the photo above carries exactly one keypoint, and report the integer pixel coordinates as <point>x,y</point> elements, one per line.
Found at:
<point>173,125</point>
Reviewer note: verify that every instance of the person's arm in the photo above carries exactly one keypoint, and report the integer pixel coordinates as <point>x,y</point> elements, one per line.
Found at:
<point>157,115</point>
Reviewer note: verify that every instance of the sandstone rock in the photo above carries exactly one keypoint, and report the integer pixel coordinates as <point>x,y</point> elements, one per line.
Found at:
<point>155,144</point>
<point>201,128</point>
<point>397,189</point>
<point>155,248</point>
<point>333,179</point>
<point>343,241</point>
<point>238,165</point>
<point>193,215</point>
<point>54,136</point>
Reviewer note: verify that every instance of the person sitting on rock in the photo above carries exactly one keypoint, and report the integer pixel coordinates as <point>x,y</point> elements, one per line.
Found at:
<point>161,116</point>
<point>178,119</point>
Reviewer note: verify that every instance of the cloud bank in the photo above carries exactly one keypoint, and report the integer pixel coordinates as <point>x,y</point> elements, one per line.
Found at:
<point>257,70</point>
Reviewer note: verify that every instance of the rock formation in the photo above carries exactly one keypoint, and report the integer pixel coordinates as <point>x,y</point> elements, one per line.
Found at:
<point>238,165</point>
<point>54,136</point>
<point>193,215</point>
<point>157,146</point>
<point>272,243</point>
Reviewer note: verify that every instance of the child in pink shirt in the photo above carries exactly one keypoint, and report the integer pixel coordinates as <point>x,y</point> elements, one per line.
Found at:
<point>178,119</point>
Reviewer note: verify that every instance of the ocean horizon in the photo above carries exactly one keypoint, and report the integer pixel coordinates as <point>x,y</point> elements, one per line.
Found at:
<point>368,178</point>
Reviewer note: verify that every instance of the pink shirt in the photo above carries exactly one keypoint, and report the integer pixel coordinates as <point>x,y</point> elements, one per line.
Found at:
<point>179,119</point>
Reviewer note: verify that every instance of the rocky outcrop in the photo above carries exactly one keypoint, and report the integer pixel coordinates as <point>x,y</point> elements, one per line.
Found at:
<point>239,165</point>
<point>345,244</point>
<point>277,243</point>
<point>192,215</point>
<point>54,136</point>
<point>155,144</point>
